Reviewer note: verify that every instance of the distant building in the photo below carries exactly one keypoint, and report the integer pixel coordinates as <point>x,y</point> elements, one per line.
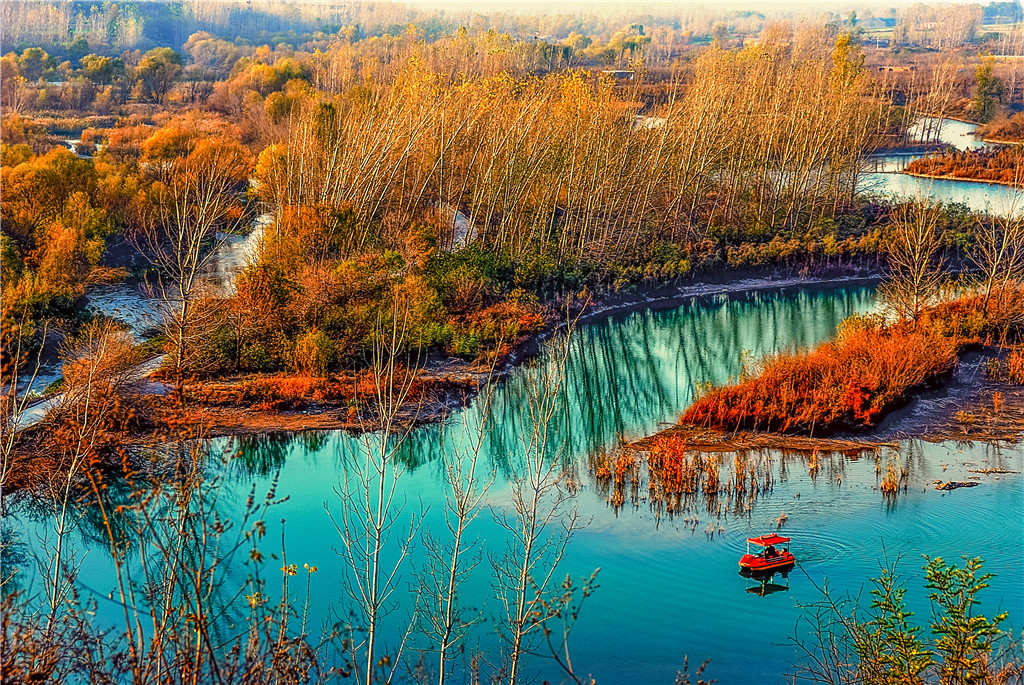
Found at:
<point>897,68</point>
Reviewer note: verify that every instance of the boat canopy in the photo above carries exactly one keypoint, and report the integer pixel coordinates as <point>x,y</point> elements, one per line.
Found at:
<point>765,540</point>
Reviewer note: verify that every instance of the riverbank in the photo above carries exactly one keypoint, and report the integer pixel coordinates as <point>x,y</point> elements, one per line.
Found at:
<point>951,376</point>
<point>243,405</point>
<point>968,407</point>
<point>914,148</point>
<point>443,386</point>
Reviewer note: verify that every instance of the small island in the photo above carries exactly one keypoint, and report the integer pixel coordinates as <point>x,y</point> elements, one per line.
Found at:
<point>1000,164</point>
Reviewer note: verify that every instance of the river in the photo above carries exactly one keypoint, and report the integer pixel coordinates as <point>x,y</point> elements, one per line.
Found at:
<point>668,583</point>
<point>886,178</point>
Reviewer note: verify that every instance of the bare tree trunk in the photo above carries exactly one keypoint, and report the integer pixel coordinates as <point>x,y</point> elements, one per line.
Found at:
<point>916,272</point>
<point>367,517</point>
<point>179,235</point>
<point>543,519</point>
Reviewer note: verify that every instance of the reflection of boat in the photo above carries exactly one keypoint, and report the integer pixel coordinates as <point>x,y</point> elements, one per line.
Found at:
<point>765,587</point>
<point>770,559</point>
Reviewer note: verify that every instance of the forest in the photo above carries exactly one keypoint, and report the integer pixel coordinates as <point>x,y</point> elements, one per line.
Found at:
<point>467,185</point>
<point>476,175</point>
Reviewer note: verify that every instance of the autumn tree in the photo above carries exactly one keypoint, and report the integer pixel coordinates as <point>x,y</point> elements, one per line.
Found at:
<point>989,91</point>
<point>33,63</point>
<point>178,231</point>
<point>100,69</point>
<point>157,73</point>
<point>81,431</point>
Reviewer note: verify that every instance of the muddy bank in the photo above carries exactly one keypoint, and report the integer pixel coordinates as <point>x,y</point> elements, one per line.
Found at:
<point>248,405</point>
<point>704,440</point>
<point>909,149</point>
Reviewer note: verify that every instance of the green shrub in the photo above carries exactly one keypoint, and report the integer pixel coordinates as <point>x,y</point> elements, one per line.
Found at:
<point>314,353</point>
<point>859,322</point>
<point>253,357</point>
<point>465,342</point>
<point>452,273</point>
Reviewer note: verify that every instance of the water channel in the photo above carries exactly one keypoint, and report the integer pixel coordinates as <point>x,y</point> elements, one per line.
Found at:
<point>886,178</point>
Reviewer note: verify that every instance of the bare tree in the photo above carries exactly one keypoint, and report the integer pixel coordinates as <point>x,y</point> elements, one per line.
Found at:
<point>179,232</point>
<point>97,370</point>
<point>540,523</point>
<point>565,162</point>
<point>451,560</point>
<point>373,544</point>
<point>16,391</point>
<point>915,267</point>
<point>999,251</point>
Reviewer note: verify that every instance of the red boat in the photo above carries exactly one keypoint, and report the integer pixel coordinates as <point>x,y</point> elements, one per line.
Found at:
<point>771,557</point>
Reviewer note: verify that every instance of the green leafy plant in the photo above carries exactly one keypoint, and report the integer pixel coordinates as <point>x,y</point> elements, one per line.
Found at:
<point>891,650</point>
<point>964,637</point>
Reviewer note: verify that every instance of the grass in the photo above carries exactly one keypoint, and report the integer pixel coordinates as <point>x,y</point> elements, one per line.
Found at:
<point>673,477</point>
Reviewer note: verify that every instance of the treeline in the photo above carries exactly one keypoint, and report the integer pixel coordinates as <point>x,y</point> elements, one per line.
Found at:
<point>144,25</point>
<point>62,216</point>
<point>473,178</point>
<point>111,28</point>
<point>35,80</point>
<point>460,200</point>
<point>311,305</point>
<point>444,176</point>
<point>79,74</point>
<point>560,170</point>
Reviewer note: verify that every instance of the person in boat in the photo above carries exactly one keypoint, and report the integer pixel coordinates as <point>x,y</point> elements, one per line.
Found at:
<point>770,552</point>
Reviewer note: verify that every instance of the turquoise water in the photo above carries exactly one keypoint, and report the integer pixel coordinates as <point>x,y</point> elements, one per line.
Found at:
<point>668,583</point>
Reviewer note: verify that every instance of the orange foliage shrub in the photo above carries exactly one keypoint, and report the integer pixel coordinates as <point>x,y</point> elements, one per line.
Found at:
<point>975,318</point>
<point>1015,366</point>
<point>851,382</point>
